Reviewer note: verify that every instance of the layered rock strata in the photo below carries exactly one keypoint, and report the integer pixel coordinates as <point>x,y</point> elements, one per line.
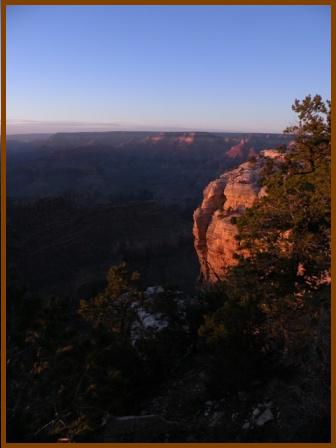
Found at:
<point>225,198</point>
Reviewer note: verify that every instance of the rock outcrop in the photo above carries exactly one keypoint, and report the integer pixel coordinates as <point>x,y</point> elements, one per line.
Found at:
<point>225,198</point>
<point>241,150</point>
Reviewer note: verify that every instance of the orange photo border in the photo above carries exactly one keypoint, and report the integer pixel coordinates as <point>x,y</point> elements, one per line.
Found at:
<point>4,3</point>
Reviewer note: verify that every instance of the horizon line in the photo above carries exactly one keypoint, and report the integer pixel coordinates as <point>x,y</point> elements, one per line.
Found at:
<point>25,126</point>
<point>171,131</point>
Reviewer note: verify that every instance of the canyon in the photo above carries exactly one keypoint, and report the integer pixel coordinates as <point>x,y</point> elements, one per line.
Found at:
<point>86,201</point>
<point>170,167</point>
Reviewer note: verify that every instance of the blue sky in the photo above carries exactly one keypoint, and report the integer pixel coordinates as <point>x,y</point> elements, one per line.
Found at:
<point>229,68</point>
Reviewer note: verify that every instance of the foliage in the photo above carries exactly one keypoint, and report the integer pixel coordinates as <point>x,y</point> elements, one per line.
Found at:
<point>111,309</point>
<point>69,368</point>
<point>70,365</point>
<point>312,133</point>
<point>272,304</point>
<point>66,374</point>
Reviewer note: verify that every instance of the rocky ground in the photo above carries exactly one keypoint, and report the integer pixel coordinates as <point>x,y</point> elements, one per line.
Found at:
<point>187,408</point>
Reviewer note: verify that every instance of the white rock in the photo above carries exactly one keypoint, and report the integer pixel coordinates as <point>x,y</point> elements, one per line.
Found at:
<point>256,412</point>
<point>152,320</point>
<point>145,321</point>
<point>152,290</point>
<point>265,417</point>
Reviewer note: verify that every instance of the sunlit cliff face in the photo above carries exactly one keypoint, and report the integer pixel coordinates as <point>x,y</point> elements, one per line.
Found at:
<point>185,138</point>
<point>225,198</point>
<point>242,148</point>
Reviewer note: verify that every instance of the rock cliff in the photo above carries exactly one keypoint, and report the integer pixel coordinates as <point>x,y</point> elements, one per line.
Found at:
<point>225,198</point>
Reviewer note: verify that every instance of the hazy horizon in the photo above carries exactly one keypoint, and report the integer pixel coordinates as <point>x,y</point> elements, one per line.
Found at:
<point>53,128</point>
<point>207,68</point>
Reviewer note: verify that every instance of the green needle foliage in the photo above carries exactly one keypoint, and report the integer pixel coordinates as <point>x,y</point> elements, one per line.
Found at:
<point>70,366</point>
<point>275,303</point>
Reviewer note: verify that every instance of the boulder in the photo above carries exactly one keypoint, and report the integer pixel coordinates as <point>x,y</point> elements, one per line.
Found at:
<point>265,417</point>
<point>137,428</point>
